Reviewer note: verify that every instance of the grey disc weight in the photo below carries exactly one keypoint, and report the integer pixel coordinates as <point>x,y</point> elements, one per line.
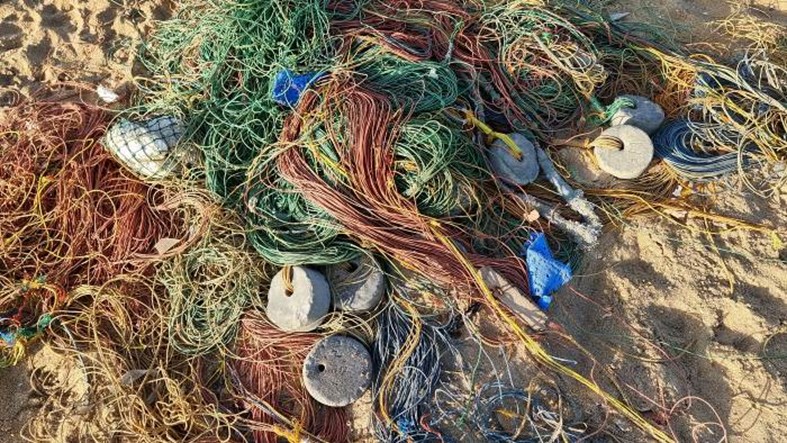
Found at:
<point>302,308</point>
<point>634,157</point>
<point>357,285</point>
<point>337,371</point>
<point>645,114</point>
<point>507,167</point>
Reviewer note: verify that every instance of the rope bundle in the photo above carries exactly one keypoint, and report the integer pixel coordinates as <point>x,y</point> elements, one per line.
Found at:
<point>267,380</point>
<point>407,349</point>
<point>69,215</point>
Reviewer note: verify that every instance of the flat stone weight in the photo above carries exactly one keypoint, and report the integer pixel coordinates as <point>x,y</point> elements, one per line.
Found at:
<point>337,371</point>
<point>629,162</point>
<point>304,307</point>
<point>357,285</point>
<point>646,115</point>
<point>506,166</point>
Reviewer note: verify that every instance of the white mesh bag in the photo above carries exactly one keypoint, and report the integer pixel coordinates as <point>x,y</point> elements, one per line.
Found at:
<point>145,147</point>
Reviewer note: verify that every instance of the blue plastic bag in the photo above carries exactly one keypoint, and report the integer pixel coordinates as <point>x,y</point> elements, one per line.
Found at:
<point>288,86</point>
<point>547,275</point>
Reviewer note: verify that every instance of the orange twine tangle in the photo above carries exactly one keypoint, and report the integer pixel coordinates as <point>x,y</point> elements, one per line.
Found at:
<point>268,371</point>
<point>69,214</point>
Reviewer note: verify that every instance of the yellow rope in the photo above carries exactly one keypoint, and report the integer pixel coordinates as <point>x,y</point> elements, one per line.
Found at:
<point>607,142</point>
<point>292,436</point>
<point>512,147</point>
<point>286,276</point>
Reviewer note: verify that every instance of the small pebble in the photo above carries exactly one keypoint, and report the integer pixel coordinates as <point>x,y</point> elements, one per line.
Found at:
<point>337,371</point>
<point>106,94</point>
<point>302,309</point>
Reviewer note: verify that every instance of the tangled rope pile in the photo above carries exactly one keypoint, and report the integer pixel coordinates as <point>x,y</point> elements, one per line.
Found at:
<point>323,131</point>
<point>69,215</point>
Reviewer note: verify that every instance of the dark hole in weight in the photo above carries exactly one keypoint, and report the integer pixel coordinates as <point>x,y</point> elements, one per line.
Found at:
<point>351,266</point>
<point>321,367</point>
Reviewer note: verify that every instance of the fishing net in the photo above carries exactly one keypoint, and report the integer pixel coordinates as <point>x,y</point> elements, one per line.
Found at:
<point>326,130</point>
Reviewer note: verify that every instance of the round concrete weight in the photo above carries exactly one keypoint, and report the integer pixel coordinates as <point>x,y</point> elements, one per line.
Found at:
<point>646,115</point>
<point>507,167</point>
<point>630,161</point>
<point>337,371</point>
<point>303,308</point>
<point>357,285</point>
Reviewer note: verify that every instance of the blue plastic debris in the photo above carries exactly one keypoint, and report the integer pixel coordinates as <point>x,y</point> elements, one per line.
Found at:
<point>547,275</point>
<point>288,86</point>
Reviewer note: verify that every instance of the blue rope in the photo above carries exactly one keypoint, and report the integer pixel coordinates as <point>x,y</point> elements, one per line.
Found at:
<point>677,144</point>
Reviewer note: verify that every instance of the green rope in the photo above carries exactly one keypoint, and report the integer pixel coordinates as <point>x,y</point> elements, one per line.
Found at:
<point>555,64</point>
<point>424,86</point>
<point>287,229</point>
<point>603,114</point>
<point>437,166</point>
<point>209,287</point>
<point>215,65</point>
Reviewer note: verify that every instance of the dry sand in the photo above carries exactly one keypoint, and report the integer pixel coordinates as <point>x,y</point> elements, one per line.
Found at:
<point>717,308</point>
<point>47,41</point>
